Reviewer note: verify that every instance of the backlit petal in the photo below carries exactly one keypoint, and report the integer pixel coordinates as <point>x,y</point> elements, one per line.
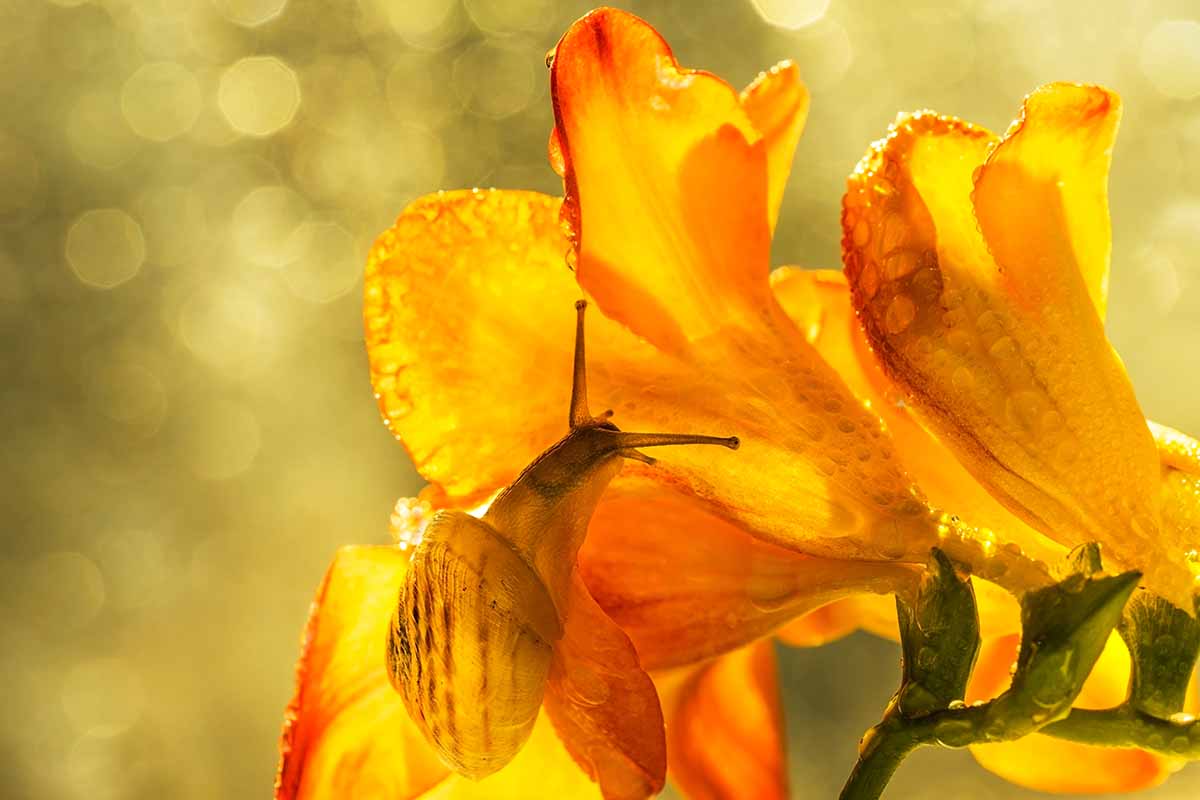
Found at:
<point>835,620</point>
<point>347,732</point>
<point>1027,393</point>
<point>469,311</point>
<point>725,735</point>
<point>1054,765</point>
<point>1042,197</point>
<point>777,104</point>
<point>686,584</point>
<point>666,182</point>
<point>543,768</point>
<point>1180,497</point>
<point>819,302</point>
<point>603,705</point>
<point>469,314</point>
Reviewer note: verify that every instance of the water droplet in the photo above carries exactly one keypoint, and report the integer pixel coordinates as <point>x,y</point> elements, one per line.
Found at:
<point>1051,421</point>
<point>954,733</point>
<point>959,341</point>
<point>955,705</point>
<point>900,313</point>
<point>826,465</point>
<point>988,322</point>
<point>1003,348</point>
<point>1023,408</point>
<point>868,280</point>
<point>845,425</point>
<point>1182,718</point>
<point>772,594</point>
<point>951,299</point>
<point>963,379</point>
<point>862,233</point>
<point>901,263</point>
<point>812,426</point>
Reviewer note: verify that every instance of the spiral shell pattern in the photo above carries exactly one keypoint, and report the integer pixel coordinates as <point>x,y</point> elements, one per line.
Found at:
<point>471,643</point>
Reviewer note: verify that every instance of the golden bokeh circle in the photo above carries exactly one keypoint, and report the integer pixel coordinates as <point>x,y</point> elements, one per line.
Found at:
<point>1170,58</point>
<point>328,265</point>
<point>105,247</point>
<point>259,95</point>
<point>161,100</point>
<point>250,13</point>
<point>791,14</point>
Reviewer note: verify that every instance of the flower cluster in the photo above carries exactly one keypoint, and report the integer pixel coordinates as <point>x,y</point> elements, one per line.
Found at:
<point>953,388</point>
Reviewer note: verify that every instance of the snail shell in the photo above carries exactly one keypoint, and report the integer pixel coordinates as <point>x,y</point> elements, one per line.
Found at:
<point>471,643</point>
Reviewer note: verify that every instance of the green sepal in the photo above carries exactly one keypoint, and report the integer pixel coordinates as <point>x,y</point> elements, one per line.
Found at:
<point>939,638</point>
<point>1065,628</point>
<point>1163,643</point>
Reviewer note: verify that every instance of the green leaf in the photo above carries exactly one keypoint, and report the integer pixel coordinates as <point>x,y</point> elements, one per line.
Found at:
<point>1163,643</point>
<point>939,637</point>
<point>1065,629</point>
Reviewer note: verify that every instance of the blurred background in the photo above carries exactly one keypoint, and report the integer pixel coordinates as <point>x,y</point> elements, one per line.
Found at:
<point>187,192</point>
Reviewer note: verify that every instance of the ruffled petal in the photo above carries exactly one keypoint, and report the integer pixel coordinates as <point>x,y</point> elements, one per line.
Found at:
<point>725,734</point>
<point>687,585</point>
<point>1028,394</point>
<point>469,315</point>
<point>666,182</point>
<point>1055,765</point>
<point>777,104</point>
<point>819,302</point>
<point>1047,183</point>
<point>469,309</point>
<point>347,732</point>
<point>604,705</point>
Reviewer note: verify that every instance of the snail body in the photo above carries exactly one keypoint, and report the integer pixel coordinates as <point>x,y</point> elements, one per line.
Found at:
<point>484,601</point>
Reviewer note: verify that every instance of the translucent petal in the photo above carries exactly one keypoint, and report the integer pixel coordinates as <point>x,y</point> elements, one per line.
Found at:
<point>347,733</point>
<point>666,181</point>
<point>725,727</point>
<point>604,706</point>
<point>1020,384</point>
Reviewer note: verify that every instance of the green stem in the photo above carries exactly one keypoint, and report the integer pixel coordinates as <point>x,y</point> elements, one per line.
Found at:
<point>1127,727</point>
<point>883,748</point>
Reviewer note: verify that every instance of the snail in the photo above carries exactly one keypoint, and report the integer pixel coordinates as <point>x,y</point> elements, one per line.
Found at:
<point>481,609</point>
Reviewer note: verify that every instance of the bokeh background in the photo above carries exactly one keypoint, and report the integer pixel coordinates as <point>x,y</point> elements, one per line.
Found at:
<point>187,192</point>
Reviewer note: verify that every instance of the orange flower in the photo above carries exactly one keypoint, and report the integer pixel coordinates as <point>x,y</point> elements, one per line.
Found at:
<point>673,182</point>
<point>979,270</point>
<point>463,302</point>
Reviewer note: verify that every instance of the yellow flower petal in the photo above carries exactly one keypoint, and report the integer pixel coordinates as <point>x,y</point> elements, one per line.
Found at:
<point>819,302</point>
<point>347,732</point>
<point>466,306</point>
<point>1042,196</point>
<point>1180,496</point>
<point>1027,393</point>
<point>777,104</point>
<point>469,309</point>
<point>603,705</point>
<point>666,182</point>
<point>543,768</point>
<point>687,585</point>
<point>725,733</point>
